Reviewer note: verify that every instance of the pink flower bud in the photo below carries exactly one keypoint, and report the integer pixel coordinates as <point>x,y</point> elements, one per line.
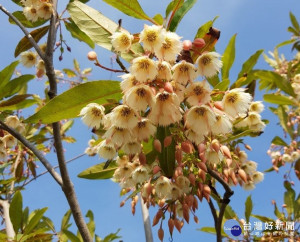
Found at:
<point>187,147</point>
<point>242,175</point>
<point>192,179</point>
<point>187,44</point>
<point>215,145</point>
<point>167,141</point>
<point>178,155</point>
<point>156,169</point>
<point>218,105</point>
<point>199,43</point>
<point>201,148</point>
<point>157,145</point>
<point>168,87</point>
<point>142,158</point>
<point>92,56</point>
<point>225,151</point>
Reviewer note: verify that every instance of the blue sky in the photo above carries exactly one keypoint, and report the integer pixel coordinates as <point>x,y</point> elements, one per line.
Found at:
<point>258,25</point>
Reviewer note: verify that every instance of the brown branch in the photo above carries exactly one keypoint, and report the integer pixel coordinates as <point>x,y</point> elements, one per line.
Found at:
<point>109,69</point>
<point>67,187</point>
<point>34,150</point>
<point>27,34</point>
<point>121,64</point>
<point>213,211</point>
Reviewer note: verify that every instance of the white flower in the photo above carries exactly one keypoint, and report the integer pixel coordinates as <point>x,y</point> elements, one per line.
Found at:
<point>236,102</point>
<point>248,186</point>
<point>45,10</point>
<point>143,68</point>
<point>128,183</point>
<point>166,109</point>
<point>106,150</point>
<point>124,117</point>
<point>140,174</point>
<point>132,148</point>
<point>297,78</point>
<point>28,3</point>
<point>121,41</point>
<point>295,155</point>
<point>31,13</point>
<point>28,58</point>
<point>144,130</point>
<point>139,97</point>
<point>287,158</point>
<point>249,166</point>
<point>256,106</point>
<point>123,172</point>
<point>184,183</point>
<point>128,82</point>
<point>3,155</point>
<point>179,210</point>
<point>91,151</point>
<point>194,137</point>
<point>257,177</point>
<point>9,140</point>
<point>175,192</point>
<point>40,69</point>
<point>259,127</point>
<point>213,157</point>
<point>222,125</point>
<point>12,121</point>
<point>198,93</point>
<point>117,135</point>
<point>200,119</point>
<point>184,72</point>
<point>152,37</point>
<point>209,64</point>
<point>2,144</point>
<point>242,155</point>
<point>164,71</point>
<point>163,187</point>
<point>253,118</point>
<point>170,48</point>
<point>123,160</point>
<point>92,115</point>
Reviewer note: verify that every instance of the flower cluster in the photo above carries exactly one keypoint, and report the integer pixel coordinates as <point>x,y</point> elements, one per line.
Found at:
<point>186,122</point>
<point>37,9</point>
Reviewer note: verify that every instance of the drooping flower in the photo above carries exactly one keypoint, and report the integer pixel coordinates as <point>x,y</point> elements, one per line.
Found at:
<point>143,69</point>
<point>184,72</point>
<point>106,150</point>
<point>28,3</point>
<point>31,13</point>
<point>166,109</point>
<point>152,37</point>
<point>10,141</point>
<point>184,183</point>
<point>3,155</point>
<point>124,117</point>
<point>256,106</point>
<point>200,119</point>
<point>236,102</point>
<point>123,172</point>
<point>144,130</point>
<point>40,68</point>
<point>92,115</point>
<point>170,48</point>
<point>163,187</point>
<point>176,192</point>
<point>141,174</point>
<point>45,10</point>
<point>164,71</point>
<point>222,125</point>
<point>209,64</point>
<point>198,93</point>
<point>121,41</point>
<point>118,135</point>
<point>132,148</point>
<point>12,121</point>
<point>249,166</point>
<point>128,82</point>
<point>257,177</point>
<point>248,186</point>
<point>213,157</point>
<point>139,97</point>
<point>28,58</point>
<point>194,136</point>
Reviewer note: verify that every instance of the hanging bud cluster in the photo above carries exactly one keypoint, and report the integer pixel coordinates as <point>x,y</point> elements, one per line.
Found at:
<point>35,10</point>
<point>165,105</point>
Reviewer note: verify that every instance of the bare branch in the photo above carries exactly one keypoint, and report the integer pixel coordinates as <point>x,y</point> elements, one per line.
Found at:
<point>34,150</point>
<point>147,223</point>
<point>9,227</point>
<point>27,34</point>
<point>109,69</point>
<point>219,179</point>
<point>121,64</point>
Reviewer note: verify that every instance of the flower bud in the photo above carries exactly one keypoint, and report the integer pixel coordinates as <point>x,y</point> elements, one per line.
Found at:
<point>157,145</point>
<point>177,224</point>
<point>161,234</point>
<point>142,158</point>
<point>202,166</point>
<point>186,212</point>
<point>92,56</point>
<point>215,145</point>
<point>201,148</point>
<point>199,43</point>
<point>187,147</point>
<point>156,169</point>
<point>242,175</point>
<point>167,141</point>
<point>122,203</point>
<point>225,150</point>
<point>178,155</point>
<point>192,179</point>
<point>187,44</point>
<point>196,219</point>
<point>168,87</point>
<point>171,225</point>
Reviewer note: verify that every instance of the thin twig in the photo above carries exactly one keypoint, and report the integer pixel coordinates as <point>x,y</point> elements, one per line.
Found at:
<point>12,186</point>
<point>213,211</point>
<point>121,64</point>
<point>108,69</point>
<point>27,34</point>
<point>55,167</point>
<point>34,150</point>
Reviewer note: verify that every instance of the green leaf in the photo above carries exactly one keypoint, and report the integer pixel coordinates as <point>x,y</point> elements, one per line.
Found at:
<point>18,2</point>
<point>250,63</point>
<point>228,57</point>
<point>283,119</point>
<point>229,212</point>
<point>65,221</point>
<point>273,77</point>
<point>15,85</point>
<point>248,208</point>
<point>203,30</point>
<point>289,198</point>
<point>186,6</point>
<point>278,214</point>
<point>212,230</point>
<point>6,74</point>
<point>172,5</point>
<point>223,85</point>
<point>24,43</point>
<point>28,24</point>
<point>17,102</point>
<point>91,223</point>
<point>279,99</point>
<point>279,141</point>
<point>159,19</point>
<point>213,80</point>
<point>262,218</point>
<point>98,27</point>
<point>294,22</point>
<point>287,42</point>
<point>71,236</point>
<point>297,207</point>
<point>97,172</point>
<point>68,104</point>
<point>33,222</point>
<point>15,211</point>
<point>129,7</point>
<point>112,236</point>
<point>78,34</point>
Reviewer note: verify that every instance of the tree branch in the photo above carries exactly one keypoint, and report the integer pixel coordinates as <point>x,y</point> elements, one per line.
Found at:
<point>27,34</point>
<point>213,211</point>
<point>10,232</point>
<point>121,64</point>
<point>34,150</point>
<point>147,223</point>
<point>67,187</point>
